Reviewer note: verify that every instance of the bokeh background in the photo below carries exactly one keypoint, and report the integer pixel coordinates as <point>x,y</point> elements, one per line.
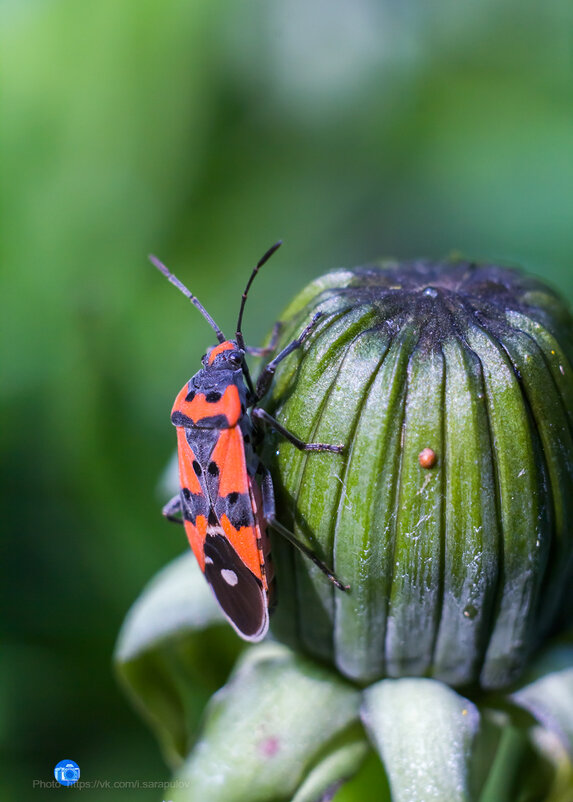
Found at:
<point>204,130</point>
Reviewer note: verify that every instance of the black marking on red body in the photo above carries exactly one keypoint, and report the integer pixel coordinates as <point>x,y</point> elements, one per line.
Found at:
<point>202,443</point>
<point>211,422</point>
<point>239,592</point>
<point>238,509</point>
<point>193,504</point>
<point>236,506</point>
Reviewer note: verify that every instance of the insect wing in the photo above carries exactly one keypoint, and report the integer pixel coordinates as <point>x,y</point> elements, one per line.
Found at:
<point>238,591</point>
<point>220,520</point>
<point>194,502</point>
<point>234,560</point>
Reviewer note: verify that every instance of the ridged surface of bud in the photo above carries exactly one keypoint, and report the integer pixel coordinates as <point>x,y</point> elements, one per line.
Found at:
<point>450,512</point>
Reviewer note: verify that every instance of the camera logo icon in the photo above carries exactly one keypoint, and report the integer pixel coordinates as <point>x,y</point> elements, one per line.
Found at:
<point>67,772</point>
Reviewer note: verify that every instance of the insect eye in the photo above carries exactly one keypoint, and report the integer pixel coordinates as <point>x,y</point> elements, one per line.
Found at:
<point>235,359</point>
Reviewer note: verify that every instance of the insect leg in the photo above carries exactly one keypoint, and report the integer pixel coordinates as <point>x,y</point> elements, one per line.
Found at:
<point>260,415</point>
<point>172,510</point>
<point>269,514</point>
<point>249,382</point>
<point>266,377</point>
<point>267,349</point>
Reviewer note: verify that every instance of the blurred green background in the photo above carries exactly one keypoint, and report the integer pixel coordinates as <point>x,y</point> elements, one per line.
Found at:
<point>204,131</point>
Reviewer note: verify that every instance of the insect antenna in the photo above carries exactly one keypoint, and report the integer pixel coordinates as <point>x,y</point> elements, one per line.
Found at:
<point>188,294</point>
<point>260,263</point>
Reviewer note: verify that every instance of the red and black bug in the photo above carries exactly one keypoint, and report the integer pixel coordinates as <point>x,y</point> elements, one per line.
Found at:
<point>226,500</point>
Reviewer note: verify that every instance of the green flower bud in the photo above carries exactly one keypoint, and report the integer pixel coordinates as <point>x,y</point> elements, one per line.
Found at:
<point>450,511</point>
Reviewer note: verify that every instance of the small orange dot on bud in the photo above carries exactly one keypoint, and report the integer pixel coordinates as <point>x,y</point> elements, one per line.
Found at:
<point>427,458</point>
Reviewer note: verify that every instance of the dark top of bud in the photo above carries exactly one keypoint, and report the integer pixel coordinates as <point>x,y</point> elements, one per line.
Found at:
<point>441,297</point>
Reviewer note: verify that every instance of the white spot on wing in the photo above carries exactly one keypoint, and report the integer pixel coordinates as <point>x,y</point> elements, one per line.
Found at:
<point>215,530</point>
<point>208,561</point>
<point>229,576</point>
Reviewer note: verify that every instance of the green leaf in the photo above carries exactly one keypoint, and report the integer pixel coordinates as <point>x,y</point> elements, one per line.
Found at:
<point>414,605</point>
<point>314,475</point>
<point>369,507</point>
<point>282,723</point>
<point>424,732</point>
<point>548,694</point>
<point>470,539</point>
<point>523,513</point>
<point>177,598</point>
<point>549,408</point>
<point>369,784</point>
<point>518,772</point>
<point>340,763</point>
<point>172,654</point>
